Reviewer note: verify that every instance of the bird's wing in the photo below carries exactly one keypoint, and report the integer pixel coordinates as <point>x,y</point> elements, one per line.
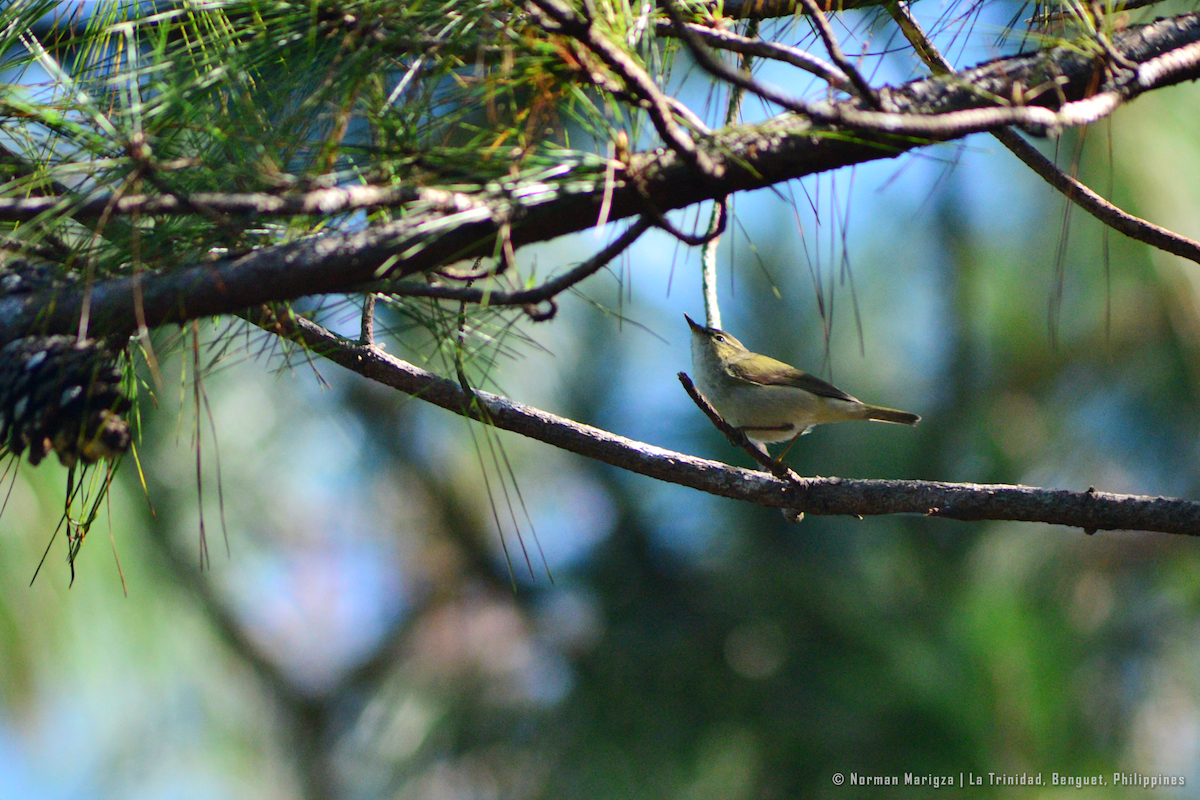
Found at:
<point>769,372</point>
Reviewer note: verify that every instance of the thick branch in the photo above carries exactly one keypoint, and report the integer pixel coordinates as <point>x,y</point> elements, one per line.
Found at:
<point>446,226</point>
<point>963,501</point>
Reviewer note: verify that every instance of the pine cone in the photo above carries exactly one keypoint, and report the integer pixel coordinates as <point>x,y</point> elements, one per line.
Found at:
<point>62,395</point>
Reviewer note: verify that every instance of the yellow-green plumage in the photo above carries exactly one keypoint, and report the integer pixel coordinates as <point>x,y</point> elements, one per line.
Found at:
<point>767,399</point>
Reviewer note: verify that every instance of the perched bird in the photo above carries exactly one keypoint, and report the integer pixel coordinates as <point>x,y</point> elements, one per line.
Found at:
<point>766,399</point>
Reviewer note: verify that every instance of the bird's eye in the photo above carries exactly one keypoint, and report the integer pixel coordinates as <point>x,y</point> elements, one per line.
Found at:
<point>720,338</point>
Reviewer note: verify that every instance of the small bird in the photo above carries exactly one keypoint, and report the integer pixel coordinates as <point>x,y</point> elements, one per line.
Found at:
<point>766,399</point>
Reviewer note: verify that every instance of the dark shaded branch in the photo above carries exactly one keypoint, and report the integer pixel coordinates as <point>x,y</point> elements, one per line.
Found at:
<point>448,226</point>
<point>524,297</point>
<point>963,501</point>
<point>690,239</point>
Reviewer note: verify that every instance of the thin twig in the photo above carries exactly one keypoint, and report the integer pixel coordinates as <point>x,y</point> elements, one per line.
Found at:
<point>708,264</point>
<point>690,239</point>
<point>1100,208</point>
<point>524,297</point>
<point>367,329</point>
<point>720,208</point>
<point>715,66</point>
<point>868,94</point>
<point>728,40</point>
<point>620,92</point>
<point>1074,190</point>
<point>926,50</point>
<point>636,78</point>
<point>737,437</point>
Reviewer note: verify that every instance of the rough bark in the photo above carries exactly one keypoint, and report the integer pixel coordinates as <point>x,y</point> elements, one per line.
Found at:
<point>443,226</point>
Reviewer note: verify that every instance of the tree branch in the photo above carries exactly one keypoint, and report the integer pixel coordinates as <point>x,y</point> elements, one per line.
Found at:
<point>1088,510</point>
<point>1039,107</point>
<point>335,200</point>
<point>1083,196</point>
<point>446,226</point>
<point>1074,190</point>
<point>728,40</point>
<point>767,9</point>
<point>736,437</point>
<point>523,297</point>
<point>865,90</point>
<point>585,32</point>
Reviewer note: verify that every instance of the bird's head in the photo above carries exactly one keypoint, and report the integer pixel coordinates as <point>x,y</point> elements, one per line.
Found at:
<point>721,344</point>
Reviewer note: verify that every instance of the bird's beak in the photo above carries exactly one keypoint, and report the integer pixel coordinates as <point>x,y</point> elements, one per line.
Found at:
<point>697,327</point>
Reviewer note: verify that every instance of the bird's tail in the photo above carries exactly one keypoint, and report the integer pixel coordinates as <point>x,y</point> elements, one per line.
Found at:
<point>892,415</point>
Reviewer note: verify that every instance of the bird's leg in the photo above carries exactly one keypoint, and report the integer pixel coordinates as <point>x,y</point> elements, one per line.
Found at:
<point>789,445</point>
